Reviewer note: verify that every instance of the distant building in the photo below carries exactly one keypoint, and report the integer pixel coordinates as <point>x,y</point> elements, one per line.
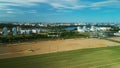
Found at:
<point>26,31</point>
<point>117,34</point>
<point>102,34</point>
<point>92,28</point>
<point>80,30</point>
<point>18,30</point>
<point>84,28</point>
<point>34,31</point>
<point>14,31</point>
<point>29,31</point>
<point>103,28</point>
<point>38,31</point>
<point>5,31</point>
<point>22,31</point>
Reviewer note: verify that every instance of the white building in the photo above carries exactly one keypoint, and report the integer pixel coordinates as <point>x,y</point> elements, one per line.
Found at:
<point>30,31</point>
<point>22,31</point>
<point>5,31</point>
<point>34,31</point>
<point>25,31</point>
<point>92,28</point>
<point>84,28</point>
<point>80,30</point>
<point>104,28</point>
<point>14,31</point>
<point>117,34</point>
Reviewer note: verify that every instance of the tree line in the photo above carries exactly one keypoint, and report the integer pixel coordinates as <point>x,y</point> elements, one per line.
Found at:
<point>41,37</point>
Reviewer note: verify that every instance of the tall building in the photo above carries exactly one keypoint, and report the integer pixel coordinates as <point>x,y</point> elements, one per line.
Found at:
<point>18,30</point>
<point>14,31</point>
<point>84,28</point>
<point>38,31</point>
<point>92,28</point>
<point>5,31</point>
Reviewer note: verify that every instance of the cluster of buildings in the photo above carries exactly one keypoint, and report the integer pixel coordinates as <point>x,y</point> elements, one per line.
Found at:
<point>92,29</point>
<point>17,31</point>
<point>98,31</point>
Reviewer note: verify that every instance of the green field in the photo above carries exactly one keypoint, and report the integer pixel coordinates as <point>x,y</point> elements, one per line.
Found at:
<point>106,57</point>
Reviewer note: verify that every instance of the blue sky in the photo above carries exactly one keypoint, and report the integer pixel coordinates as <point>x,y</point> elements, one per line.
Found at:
<point>60,10</point>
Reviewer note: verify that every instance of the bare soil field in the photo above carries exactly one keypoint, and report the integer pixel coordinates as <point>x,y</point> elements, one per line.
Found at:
<point>42,47</point>
<point>115,38</point>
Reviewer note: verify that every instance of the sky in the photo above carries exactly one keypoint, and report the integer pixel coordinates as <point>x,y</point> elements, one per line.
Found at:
<point>60,11</point>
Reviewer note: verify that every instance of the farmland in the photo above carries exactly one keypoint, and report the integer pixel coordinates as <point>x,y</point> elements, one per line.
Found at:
<point>42,47</point>
<point>68,53</point>
<point>105,57</point>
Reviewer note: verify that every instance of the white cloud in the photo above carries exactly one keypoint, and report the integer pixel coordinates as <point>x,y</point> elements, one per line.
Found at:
<point>60,4</point>
<point>106,3</point>
<point>54,3</point>
<point>9,12</point>
<point>67,4</point>
<point>4,4</point>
